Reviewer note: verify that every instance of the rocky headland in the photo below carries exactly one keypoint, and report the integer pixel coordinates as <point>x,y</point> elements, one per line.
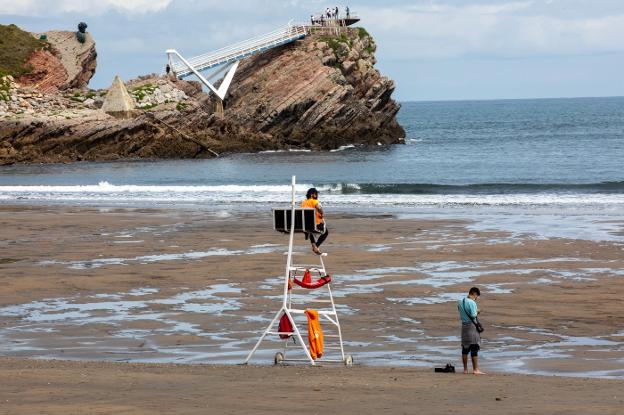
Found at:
<point>318,93</point>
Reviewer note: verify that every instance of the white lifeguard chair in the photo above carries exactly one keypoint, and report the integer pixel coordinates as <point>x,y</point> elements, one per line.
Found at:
<point>293,303</point>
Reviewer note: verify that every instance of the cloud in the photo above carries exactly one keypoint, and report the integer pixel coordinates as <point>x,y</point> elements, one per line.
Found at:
<point>31,8</point>
<point>494,30</point>
<point>87,7</point>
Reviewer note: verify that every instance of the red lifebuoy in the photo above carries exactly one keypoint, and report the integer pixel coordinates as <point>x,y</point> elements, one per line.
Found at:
<point>312,285</point>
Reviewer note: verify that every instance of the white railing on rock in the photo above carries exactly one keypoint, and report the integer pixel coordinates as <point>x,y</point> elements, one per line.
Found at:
<point>239,50</point>
<point>227,58</point>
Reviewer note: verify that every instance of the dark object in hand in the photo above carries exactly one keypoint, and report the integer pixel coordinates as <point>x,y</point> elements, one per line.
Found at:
<point>478,326</point>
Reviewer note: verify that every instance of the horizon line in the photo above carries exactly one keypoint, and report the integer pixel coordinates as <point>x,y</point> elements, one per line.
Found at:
<point>505,99</point>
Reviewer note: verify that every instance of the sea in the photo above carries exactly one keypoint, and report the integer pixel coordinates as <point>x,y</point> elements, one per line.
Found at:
<point>551,159</point>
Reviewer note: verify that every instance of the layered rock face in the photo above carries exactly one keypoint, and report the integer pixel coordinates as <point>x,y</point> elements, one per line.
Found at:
<point>319,93</point>
<point>78,59</point>
<point>67,64</point>
<point>59,128</point>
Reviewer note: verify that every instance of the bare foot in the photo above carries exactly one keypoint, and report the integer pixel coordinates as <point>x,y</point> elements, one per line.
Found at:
<point>478,372</point>
<point>465,371</point>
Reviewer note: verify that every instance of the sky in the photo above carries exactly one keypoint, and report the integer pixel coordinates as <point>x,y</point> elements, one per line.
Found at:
<point>433,50</point>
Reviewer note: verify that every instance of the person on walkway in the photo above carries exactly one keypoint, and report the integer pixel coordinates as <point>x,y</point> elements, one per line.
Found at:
<point>312,202</point>
<point>470,337</point>
<point>348,12</point>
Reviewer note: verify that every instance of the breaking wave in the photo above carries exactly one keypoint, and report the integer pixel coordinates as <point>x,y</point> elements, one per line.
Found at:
<point>362,194</point>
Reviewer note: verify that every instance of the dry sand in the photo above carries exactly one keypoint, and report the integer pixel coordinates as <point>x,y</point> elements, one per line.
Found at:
<point>197,287</point>
<point>61,387</point>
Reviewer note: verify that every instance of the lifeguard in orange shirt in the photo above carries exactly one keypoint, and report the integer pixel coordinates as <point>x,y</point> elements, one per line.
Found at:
<point>312,202</point>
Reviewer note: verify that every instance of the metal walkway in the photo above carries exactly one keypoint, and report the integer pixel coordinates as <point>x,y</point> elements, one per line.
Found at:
<point>229,56</point>
<point>240,50</point>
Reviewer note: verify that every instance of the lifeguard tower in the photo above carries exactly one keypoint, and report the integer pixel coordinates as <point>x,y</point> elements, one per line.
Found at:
<point>300,294</point>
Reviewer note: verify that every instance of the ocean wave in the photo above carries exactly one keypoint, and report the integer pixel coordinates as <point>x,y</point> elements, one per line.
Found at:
<point>615,187</point>
<point>105,187</point>
<point>483,188</point>
<point>339,194</point>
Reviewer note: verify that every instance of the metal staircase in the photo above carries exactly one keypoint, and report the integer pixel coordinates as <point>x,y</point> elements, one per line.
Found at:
<point>228,57</point>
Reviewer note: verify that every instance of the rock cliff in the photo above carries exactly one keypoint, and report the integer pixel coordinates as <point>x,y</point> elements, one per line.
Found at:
<point>64,63</point>
<point>322,92</point>
<point>318,93</point>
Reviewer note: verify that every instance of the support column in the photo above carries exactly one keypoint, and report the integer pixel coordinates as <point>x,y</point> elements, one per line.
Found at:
<point>218,107</point>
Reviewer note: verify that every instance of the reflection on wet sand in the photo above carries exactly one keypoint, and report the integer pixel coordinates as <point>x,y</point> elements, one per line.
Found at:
<point>181,300</point>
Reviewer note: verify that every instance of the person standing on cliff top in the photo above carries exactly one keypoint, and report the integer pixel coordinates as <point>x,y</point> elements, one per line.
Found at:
<point>470,337</point>
<point>312,202</point>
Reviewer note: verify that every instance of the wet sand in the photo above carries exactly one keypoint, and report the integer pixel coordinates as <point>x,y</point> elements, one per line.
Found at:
<point>180,286</point>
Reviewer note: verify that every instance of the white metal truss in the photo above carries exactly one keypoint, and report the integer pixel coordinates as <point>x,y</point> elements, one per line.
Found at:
<point>230,56</point>
<point>289,307</point>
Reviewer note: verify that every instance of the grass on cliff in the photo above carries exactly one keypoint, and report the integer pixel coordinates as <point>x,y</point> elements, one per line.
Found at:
<point>339,44</point>
<point>140,92</point>
<point>16,46</point>
<point>362,33</point>
<point>5,89</point>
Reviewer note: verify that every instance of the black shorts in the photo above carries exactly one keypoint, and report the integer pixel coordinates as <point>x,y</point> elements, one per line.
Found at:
<point>473,350</point>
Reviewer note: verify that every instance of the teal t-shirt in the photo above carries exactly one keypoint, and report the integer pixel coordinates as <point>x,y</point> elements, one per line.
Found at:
<point>470,306</point>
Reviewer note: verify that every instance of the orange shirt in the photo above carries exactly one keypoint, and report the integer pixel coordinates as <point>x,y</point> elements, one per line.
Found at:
<point>312,204</point>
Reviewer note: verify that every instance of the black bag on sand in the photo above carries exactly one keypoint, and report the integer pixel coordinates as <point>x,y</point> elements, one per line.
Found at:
<point>449,368</point>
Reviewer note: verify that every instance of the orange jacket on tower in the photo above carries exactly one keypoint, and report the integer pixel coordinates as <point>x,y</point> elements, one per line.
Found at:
<point>315,334</point>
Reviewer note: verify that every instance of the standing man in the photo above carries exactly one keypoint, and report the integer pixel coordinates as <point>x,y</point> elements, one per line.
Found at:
<point>312,202</point>
<point>470,337</point>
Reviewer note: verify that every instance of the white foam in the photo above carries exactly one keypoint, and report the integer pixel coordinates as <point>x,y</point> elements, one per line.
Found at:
<point>342,148</point>
<point>106,187</point>
<point>332,195</point>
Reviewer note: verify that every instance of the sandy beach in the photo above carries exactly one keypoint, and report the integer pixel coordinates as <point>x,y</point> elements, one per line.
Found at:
<point>122,295</point>
<point>61,387</point>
